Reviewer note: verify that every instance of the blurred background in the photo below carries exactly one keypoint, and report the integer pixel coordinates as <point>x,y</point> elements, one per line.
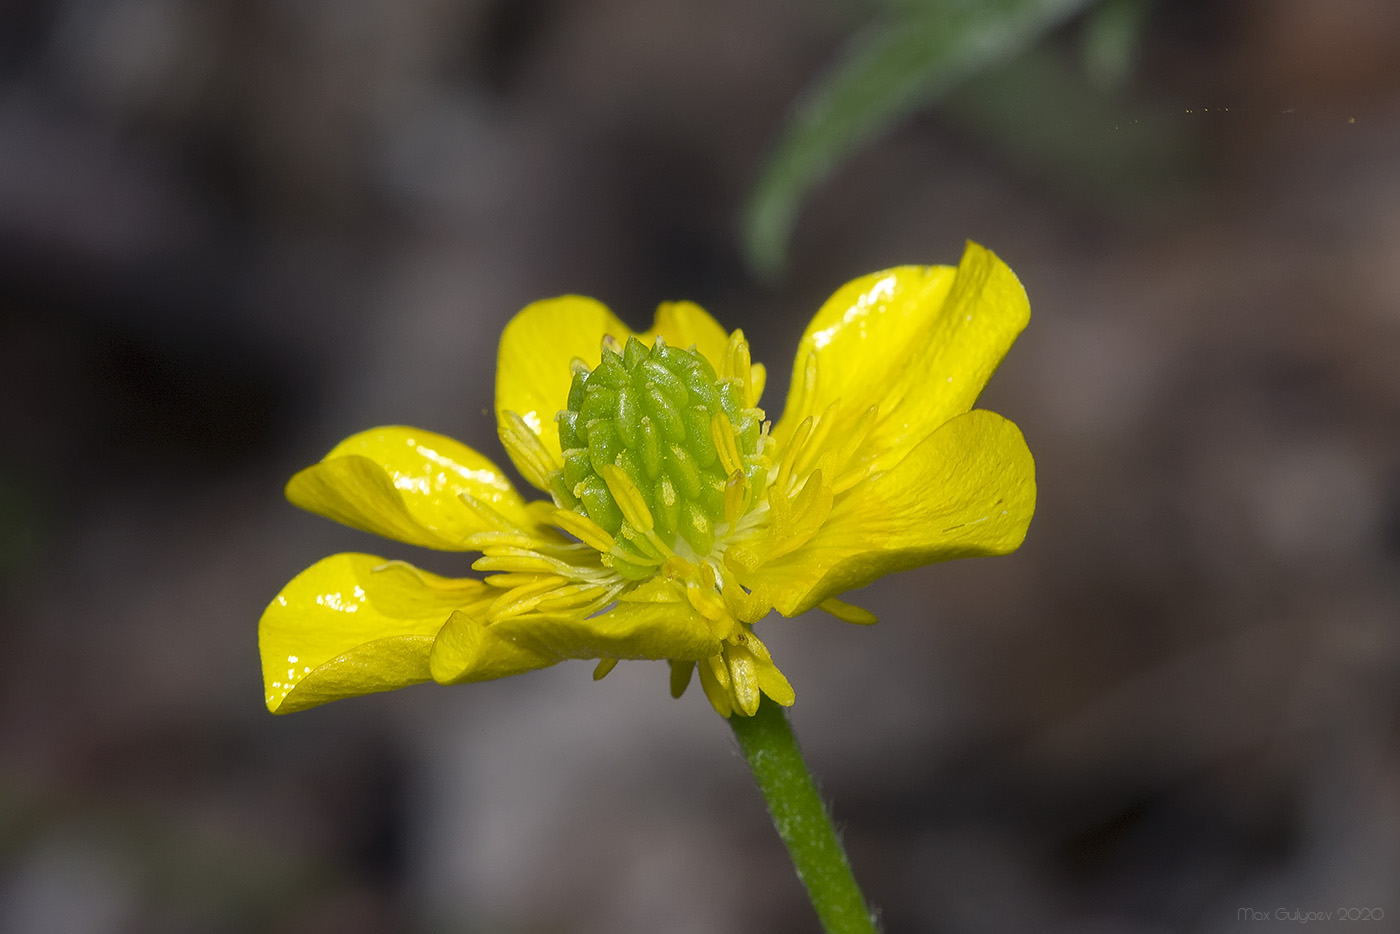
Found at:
<point>232,233</point>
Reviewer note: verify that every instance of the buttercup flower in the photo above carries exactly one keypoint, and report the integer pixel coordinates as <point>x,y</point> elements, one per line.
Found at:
<point>676,515</point>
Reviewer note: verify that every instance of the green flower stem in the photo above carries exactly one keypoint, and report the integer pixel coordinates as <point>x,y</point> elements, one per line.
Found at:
<point>801,819</point>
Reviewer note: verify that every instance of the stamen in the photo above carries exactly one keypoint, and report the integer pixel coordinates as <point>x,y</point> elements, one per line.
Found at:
<point>526,450</point>
<point>525,597</point>
<point>526,562</point>
<point>743,678</point>
<point>738,365</point>
<point>722,433</point>
<point>758,378</point>
<point>644,548</point>
<point>736,490</point>
<point>848,613</point>
<point>680,676</point>
<point>794,448</point>
<point>781,511</point>
<point>813,445</point>
<point>480,541</point>
<point>584,529</point>
<point>716,691</point>
<point>604,666</point>
<point>742,604</point>
<point>569,597</point>
<point>491,518</point>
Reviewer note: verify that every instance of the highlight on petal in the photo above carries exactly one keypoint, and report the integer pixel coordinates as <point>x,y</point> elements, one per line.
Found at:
<point>968,489</point>
<point>354,624</point>
<point>533,371</point>
<point>413,486</point>
<point>919,343</point>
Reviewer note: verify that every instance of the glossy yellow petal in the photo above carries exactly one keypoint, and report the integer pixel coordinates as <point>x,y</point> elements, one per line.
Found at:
<point>533,370</point>
<point>686,324</point>
<point>968,489</point>
<point>408,484</point>
<point>654,621</point>
<point>354,624</point>
<point>467,649</point>
<point>919,343</point>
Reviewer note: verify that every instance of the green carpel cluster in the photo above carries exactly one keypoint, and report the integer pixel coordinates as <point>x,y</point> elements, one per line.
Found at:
<point>658,413</point>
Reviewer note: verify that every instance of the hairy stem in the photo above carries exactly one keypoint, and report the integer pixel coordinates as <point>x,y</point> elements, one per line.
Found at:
<point>801,819</point>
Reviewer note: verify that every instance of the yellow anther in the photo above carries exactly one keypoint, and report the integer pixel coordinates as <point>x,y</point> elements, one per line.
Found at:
<point>605,665</point>
<point>758,378</point>
<point>743,677</point>
<point>804,515</point>
<point>807,496</point>
<point>491,518</point>
<point>480,541</point>
<point>681,672</point>
<point>645,548</point>
<point>726,366</point>
<point>714,680</point>
<point>743,605</point>
<point>755,645</point>
<point>780,508</point>
<point>526,450</point>
<point>584,529</point>
<point>736,491</point>
<point>511,580</point>
<point>794,448</point>
<point>628,497</point>
<point>677,568</point>
<point>523,598</point>
<point>527,563</point>
<point>705,601</point>
<point>846,612</point>
<point>738,364</point>
<point>726,445</point>
<point>571,596</point>
<point>741,559</point>
<point>820,429</point>
<point>718,669</point>
<point>630,566</point>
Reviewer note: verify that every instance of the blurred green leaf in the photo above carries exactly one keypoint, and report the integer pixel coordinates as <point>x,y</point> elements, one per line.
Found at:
<point>1111,40</point>
<point>1042,115</point>
<point>887,71</point>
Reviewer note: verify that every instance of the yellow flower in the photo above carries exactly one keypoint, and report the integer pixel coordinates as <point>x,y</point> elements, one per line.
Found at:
<point>677,516</point>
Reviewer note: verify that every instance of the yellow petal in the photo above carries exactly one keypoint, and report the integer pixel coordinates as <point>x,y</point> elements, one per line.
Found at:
<point>533,370</point>
<point>919,343</point>
<point>653,621</point>
<point>408,484</point>
<point>354,624</point>
<point>684,324</point>
<point>968,489</point>
<point>467,649</point>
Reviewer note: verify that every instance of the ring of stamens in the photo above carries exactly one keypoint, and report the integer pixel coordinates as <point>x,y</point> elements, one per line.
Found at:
<point>668,473</point>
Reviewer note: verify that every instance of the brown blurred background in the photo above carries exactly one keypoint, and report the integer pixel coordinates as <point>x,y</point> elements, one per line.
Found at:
<point>232,233</point>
